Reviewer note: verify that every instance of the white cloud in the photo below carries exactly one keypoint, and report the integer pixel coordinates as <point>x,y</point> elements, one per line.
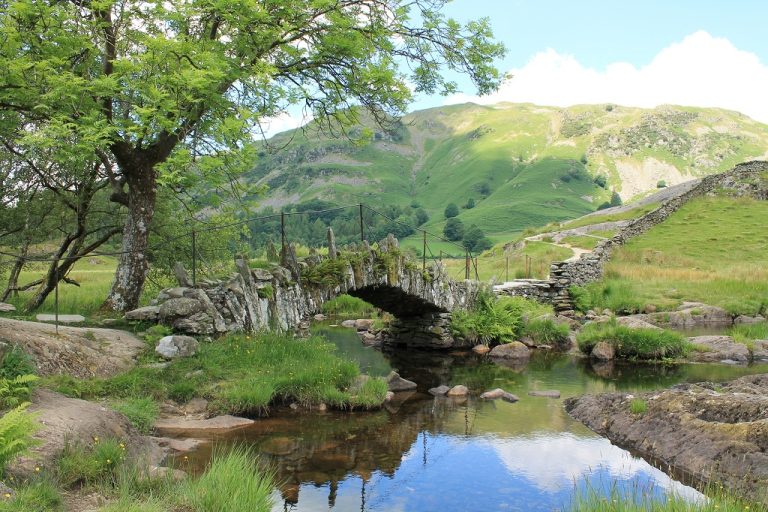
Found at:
<point>701,70</point>
<point>284,121</point>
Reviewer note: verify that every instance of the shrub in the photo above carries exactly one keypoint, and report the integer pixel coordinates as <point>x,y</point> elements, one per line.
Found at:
<point>661,184</point>
<point>16,429</point>
<point>16,362</point>
<point>615,199</point>
<point>451,211</point>
<point>601,180</point>
<point>232,481</point>
<point>454,230</point>
<point>489,322</point>
<point>633,343</point>
<point>13,392</point>
<point>141,412</point>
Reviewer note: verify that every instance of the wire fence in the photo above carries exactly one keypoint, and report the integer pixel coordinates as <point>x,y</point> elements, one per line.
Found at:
<point>202,249</point>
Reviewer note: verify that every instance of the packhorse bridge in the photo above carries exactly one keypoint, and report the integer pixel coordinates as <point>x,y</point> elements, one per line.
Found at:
<point>283,297</point>
<point>421,297</point>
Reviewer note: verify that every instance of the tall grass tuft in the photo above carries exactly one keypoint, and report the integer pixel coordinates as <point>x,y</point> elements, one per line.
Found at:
<point>40,495</point>
<point>141,412</point>
<point>633,343</point>
<point>232,481</point>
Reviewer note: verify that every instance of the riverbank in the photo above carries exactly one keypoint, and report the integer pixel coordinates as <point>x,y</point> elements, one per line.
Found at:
<point>715,433</point>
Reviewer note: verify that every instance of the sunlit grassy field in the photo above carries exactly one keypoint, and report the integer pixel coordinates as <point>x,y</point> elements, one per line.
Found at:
<point>713,250</point>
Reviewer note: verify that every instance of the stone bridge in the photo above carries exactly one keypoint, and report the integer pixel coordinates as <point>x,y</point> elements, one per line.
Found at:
<point>284,297</point>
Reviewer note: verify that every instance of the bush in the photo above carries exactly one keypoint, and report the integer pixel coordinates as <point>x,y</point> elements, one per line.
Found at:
<point>15,363</point>
<point>615,199</point>
<point>633,343</point>
<point>232,481</point>
<point>451,211</point>
<point>141,412</point>
<point>16,429</point>
<point>661,184</point>
<point>14,392</point>
<point>454,230</point>
<point>601,180</point>
<point>491,321</point>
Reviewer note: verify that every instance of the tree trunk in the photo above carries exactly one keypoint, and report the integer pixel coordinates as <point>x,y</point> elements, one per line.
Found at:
<point>133,266</point>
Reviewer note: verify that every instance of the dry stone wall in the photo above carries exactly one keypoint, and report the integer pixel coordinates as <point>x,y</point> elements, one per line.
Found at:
<point>749,179</point>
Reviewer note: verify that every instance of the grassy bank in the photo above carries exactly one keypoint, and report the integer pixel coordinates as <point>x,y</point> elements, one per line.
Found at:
<point>232,481</point>
<point>712,250</point>
<point>633,343</point>
<point>239,374</point>
<point>718,499</point>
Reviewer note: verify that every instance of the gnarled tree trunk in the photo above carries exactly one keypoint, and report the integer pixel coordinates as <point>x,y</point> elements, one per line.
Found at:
<point>132,267</point>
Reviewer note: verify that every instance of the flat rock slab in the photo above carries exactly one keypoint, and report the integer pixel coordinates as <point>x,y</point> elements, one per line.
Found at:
<point>439,390</point>
<point>497,393</point>
<point>713,349</point>
<point>63,319</point>
<point>716,433</point>
<point>549,393</point>
<point>7,308</point>
<point>212,427</point>
<point>78,351</point>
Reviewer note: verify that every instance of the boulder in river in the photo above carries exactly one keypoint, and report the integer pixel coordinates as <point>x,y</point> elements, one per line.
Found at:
<point>439,390</point>
<point>497,393</point>
<point>715,433</point>
<point>715,349</point>
<point>514,350</point>
<point>481,349</point>
<point>396,383</point>
<point>548,393</point>
<point>458,391</point>
<point>603,351</point>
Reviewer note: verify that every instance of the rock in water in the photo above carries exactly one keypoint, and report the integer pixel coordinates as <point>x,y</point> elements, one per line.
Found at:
<point>497,393</point>
<point>439,390</point>
<point>603,351</point>
<point>172,347</point>
<point>481,349</point>
<point>396,383</point>
<point>514,350</point>
<point>712,349</point>
<point>549,393</point>
<point>458,391</point>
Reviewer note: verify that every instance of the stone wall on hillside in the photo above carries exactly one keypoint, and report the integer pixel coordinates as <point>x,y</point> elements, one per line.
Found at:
<point>749,179</point>
<point>252,300</point>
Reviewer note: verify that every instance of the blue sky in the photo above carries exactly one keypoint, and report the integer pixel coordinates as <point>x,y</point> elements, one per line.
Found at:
<point>598,35</point>
<point>640,53</point>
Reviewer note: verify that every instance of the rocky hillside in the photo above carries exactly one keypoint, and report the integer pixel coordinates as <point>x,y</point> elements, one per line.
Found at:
<point>521,165</point>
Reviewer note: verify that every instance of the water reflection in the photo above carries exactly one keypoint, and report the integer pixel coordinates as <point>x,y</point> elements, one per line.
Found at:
<point>425,453</point>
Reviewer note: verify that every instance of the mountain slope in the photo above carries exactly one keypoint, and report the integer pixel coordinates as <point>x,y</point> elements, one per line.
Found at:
<point>523,165</point>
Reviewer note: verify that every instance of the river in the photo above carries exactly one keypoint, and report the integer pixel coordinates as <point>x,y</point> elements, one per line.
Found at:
<point>422,453</point>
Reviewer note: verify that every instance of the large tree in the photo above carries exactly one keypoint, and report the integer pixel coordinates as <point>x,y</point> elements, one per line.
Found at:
<point>164,90</point>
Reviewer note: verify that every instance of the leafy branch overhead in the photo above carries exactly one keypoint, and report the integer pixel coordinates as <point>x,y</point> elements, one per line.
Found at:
<point>172,93</point>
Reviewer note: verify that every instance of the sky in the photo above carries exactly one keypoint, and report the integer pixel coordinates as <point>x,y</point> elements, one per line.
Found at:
<point>642,53</point>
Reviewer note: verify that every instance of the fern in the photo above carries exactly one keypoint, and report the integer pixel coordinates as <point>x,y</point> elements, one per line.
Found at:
<point>16,429</point>
<point>15,391</point>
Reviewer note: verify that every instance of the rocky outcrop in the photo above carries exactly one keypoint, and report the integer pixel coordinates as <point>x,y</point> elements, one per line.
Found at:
<point>716,433</point>
<point>718,349</point>
<point>283,296</point>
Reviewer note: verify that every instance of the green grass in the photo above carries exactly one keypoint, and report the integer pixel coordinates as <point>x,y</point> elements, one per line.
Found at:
<point>41,495</point>
<point>712,250</point>
<point>239,374</point>
<point>638,406</point>
<point>617,295</point>
<point>88,465</point>
<point>748,333</point>
<point>348,306</point>
<point>492,264</point>
<point>545,331</point>
<point>633,343</point>
<point>718,499</point>
<point>141,412</point>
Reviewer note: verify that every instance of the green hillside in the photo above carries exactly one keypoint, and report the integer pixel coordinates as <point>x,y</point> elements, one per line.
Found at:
<point>523,165</point>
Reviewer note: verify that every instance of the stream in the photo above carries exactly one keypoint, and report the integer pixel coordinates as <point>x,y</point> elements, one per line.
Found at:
<point>422,453</point>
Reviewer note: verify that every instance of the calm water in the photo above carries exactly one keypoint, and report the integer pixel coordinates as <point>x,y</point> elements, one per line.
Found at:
<point>424,454</point>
